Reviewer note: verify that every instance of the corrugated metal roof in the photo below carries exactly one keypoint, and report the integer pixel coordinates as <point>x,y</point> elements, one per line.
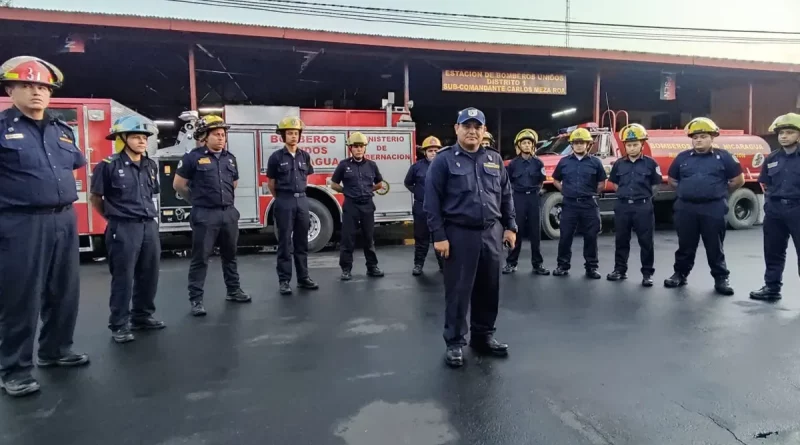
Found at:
<point>43,15</point>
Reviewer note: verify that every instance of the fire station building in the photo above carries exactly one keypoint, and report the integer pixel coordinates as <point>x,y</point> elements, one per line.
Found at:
<point>160,67</point>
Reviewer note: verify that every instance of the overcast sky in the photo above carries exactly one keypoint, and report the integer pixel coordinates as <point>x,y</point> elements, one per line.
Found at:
<point>693,15</point>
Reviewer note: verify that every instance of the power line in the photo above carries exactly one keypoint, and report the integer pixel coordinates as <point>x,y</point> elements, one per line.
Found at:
<point>517,19</point>
<point>471,22</point>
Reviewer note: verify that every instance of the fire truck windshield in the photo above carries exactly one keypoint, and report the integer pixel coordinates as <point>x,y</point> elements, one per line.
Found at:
<point>555,146</point>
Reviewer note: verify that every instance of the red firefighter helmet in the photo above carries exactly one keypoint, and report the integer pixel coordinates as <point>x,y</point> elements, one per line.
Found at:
<point>31,69</point>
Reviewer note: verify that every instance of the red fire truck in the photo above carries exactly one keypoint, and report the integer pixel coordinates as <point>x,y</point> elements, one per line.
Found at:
<point>745,205</point>
<point>90,120</point>
<point>252,139</point>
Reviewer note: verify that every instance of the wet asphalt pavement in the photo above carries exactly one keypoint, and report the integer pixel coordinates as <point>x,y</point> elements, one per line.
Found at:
<point>360,363</point>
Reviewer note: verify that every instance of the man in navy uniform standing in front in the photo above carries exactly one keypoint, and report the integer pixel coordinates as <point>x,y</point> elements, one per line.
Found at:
<point>780,177</point>
<point>703,177</point>
<point>527,174</point>
<point>471,214</point>
<point>415,183</point>
<point>39,252</point>
<point>209,175</point>
<point>580,178</point>
<point>635,178</point>
<point>123,187</point>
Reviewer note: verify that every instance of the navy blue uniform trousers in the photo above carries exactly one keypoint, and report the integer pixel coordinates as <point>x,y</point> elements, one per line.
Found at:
<point>694,221</point>
<point>637,216</point>
<point>134,252</point>
<point>422,236</point>
<point>293,222</point>
<point>471,278</point>
<point>354,214</point>
<point>39,275</point>
<point>213,227</point>
<point>781,219</point>
<point>529,224</point>
<point>582,216</point>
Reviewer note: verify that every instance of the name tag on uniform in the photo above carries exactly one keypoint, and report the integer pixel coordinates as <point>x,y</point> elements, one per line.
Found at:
<point>770,165</point>
<point>204,161</point>
<point>15,136</point>
<point>63,139</point>
<point>490,165</point>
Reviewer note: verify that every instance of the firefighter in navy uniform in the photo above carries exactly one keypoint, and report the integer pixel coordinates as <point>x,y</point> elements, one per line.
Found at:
<point>471,214</point>
<point>415,183</point>
<point>527,174</point>
<point>580,178</point>
<point>635,178</point>
<point>39,255</point>
<point>780,177</point>
<point>288,170</point>
<point>208,175</point>
<point>703,177</point>
<point>358,178</point>
<point>123,187</point>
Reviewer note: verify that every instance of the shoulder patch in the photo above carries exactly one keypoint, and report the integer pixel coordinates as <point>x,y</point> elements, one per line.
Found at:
<point>111,158</point>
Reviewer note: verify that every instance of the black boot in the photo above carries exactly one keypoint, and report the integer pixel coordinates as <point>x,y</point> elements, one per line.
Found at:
<point>238,296</point>
<point>374,272</point>
<point>122,334</point>
<point>559,272</point>
<point>489,345</point>
<point>454,356</point>
<point>284,288</point>
<point>647,281</point>
<point>346,275</point>
<point>510,268</point>
<point>676,280</point>
<point>149,323</point>
<point>538,269</point>
<point>617,275</point>
<point>20,385</point>
<point>766,293</point>
<point>593,274</point>
<point>723,286</point>
<point>198,310</point>
<point>307,283</point>
<point>417,271</point>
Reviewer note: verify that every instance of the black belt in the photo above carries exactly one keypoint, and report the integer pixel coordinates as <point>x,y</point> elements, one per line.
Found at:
<point>282,194</point>
<point>634,201</point>
<point>581,199</point>
<point>486,225</point>
<point>130,220</point>
<point>701,201</point>
<point>37,210</point>
<point>360,201</point>
<point>530,192</point>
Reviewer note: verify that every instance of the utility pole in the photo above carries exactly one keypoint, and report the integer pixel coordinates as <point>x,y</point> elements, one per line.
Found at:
<point>566,27</point>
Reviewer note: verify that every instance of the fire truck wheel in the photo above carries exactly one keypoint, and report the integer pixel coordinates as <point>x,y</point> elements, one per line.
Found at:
<point>551,215</point>
<point>321,228</point>
<point>743,209</point>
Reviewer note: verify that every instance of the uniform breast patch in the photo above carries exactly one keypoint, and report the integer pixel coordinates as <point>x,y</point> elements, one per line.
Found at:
<point>490,165</point>
<point>65,139</point>
<point>15,136</point>
<point>772,164</point>
<point>204,161</point>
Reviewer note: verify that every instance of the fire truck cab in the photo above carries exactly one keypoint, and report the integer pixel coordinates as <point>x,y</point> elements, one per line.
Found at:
<point>252,138</point>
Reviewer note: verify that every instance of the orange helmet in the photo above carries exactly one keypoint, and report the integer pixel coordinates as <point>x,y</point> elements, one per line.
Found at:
<point>31,69</point>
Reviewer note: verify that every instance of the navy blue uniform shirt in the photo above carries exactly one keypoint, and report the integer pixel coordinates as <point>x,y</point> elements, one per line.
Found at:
<point>415,179</point>
<point>781,175</point>
<point>635,180</point>
<point>357,178</point>
<point>127,187</point>
<point>289,172</point>
<point>704,177</point>
<point>579,177</point>
<point>526,175</point>
<point>36,161</point>
<point>467,189</point>
<point>210,179</point>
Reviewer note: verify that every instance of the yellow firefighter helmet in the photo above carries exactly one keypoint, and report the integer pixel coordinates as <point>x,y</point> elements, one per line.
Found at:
<point>488,137</point>
<point>632,133</point>
<point>290,123</point>
<point>790,120</point>
<point>526,133</point>
<point>701,125</point>
<point>208,123</point>
<point>431,142</point>
<point>580,135</point>
<point>357,138</point>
